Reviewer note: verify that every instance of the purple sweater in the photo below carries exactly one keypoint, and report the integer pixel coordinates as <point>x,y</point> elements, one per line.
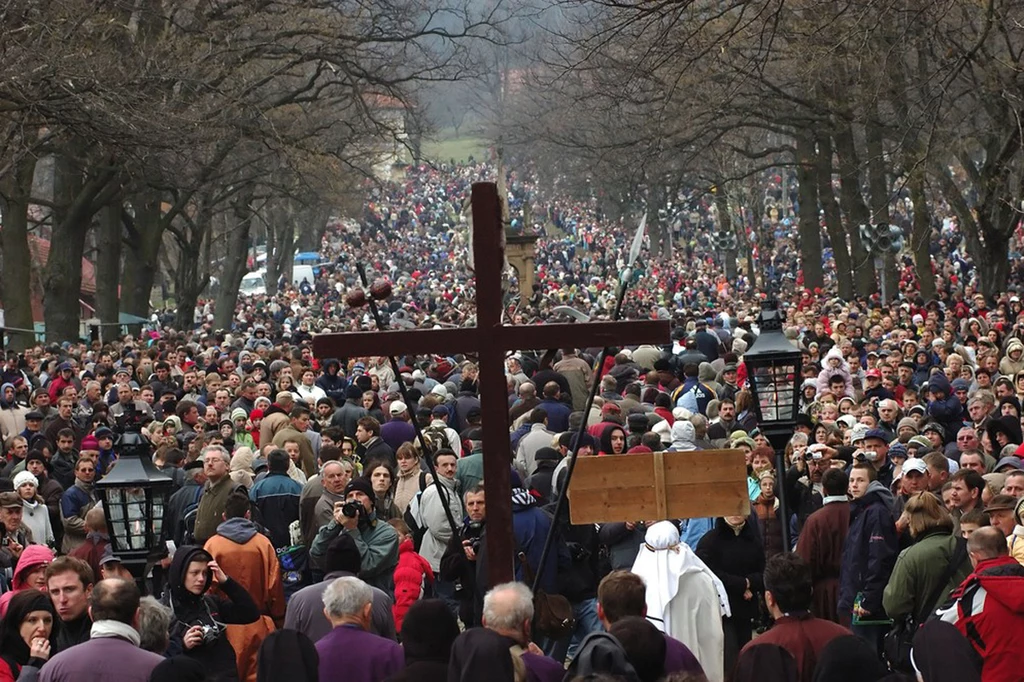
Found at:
<point>679,658</point>
<point>91,662</point>
<point>350,654</point>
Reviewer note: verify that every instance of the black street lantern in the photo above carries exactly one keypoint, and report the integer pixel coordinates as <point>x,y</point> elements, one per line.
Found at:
<point>774,367</point>
<point>134,494</point>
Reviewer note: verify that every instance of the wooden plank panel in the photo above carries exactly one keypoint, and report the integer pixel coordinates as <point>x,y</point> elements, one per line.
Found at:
<point>622,487</point>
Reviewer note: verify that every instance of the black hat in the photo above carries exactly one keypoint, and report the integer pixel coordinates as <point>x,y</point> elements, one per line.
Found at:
<point>353,392</point>
<point>34,415</point>
<point>362,485</point>
<point>35,455</point>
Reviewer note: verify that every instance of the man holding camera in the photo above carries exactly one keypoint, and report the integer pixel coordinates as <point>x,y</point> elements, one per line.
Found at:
<point>458,564</point>
<point>376,540</point>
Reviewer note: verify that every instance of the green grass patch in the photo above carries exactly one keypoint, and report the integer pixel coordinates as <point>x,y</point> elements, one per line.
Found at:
<point>444,149</point>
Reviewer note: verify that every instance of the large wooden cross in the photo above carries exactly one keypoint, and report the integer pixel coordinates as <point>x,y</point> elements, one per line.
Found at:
<point>491,340</point>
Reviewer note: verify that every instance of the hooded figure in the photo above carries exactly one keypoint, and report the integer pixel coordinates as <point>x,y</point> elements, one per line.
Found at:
<point>32,558</point>
<point>288,655</point>
<point>607,447</point>
<point>213,612</point>
<point>332,382</point>
<point>848,659</point>
<point>941,654</point>
<point>684,436</point>
<point>12,415</point>
<point>1013,361</point>
<point>241,467</point>
<point>601,654</point>
<point>428,632</point>
<point>685,599</point>
<point>840,367</point>
<point>1004,431</point>
<point>945,407</point>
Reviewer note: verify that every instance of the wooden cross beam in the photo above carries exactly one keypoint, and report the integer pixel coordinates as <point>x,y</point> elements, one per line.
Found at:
<point>490,340</point>
<point>660,485</point>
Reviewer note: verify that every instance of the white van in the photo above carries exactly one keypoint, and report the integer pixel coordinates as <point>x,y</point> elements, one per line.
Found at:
<point>253,284</point>
<point>302,272</point>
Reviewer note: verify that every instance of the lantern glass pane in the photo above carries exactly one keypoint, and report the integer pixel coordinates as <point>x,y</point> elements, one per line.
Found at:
<point>135,499</point>
<point>774,384</point>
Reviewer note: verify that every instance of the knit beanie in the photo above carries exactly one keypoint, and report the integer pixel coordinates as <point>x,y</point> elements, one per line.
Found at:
<point>24,477</point>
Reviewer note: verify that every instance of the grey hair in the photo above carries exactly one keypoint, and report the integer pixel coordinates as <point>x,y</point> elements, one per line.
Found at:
<point>221,450</point>
<point>508,614</point>
<point>153,626</point>
<point>346,597</point>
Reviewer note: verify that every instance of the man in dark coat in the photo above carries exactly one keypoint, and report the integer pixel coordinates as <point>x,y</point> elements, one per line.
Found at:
<point>821,543</point>
<point>333,383</point>
<point>707,342</point>
<point>787,594</point>
<point>869,554</point>
<point>351,411</point>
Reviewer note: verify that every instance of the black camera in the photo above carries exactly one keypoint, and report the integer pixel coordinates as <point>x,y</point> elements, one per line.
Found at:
<point>352,509</point>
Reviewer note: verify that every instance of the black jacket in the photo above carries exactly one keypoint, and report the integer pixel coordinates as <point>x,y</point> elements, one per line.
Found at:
<point>870,551</point>
<point>735,559</point>
<point>178,505</point>
<point>217,655</point>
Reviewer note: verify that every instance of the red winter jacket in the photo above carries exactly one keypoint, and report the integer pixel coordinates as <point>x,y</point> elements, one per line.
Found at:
<point>411,573</point>
<point>989,612</point>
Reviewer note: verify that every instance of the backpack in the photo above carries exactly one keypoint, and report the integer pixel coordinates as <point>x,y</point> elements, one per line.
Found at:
<point>184,534</point>
<point>412,515</point>
<point>436,438</point>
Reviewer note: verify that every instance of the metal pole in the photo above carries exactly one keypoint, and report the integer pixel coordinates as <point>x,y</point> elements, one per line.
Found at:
<point>780,493</point>
<point>442,493</point>
<point>564,490</point>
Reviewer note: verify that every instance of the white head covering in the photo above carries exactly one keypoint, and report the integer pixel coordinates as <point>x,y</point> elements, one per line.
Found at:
<point>661,561</point>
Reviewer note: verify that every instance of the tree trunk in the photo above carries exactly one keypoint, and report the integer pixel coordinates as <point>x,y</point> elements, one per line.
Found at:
<point>920,238</point>
<point>237,239</point>
<point>108,267</point>
<point>852,202</point>
<point>145,233</point>
<point>77,201</point>
<point>809,228</point>
<point>833,219</point>
<point>15,191</point>
<point>188,284</point>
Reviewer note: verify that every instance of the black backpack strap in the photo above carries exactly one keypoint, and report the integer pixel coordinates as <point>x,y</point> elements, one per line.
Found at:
<point>959,554</point>
<point>423,481</point>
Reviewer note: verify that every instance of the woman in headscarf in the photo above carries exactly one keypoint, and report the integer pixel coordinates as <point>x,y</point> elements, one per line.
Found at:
<point>766,663</point>
<point>684,598</point>
<point>241,467</point>
<point>30,573</point>
<point>382,479</point>
<point>197,628</point>
<point>428,631</point>
<point>942,654</point>
<point>613,440</point>
<point>25,635</point>
<point>179,669</point>
<point>684,436</point>
<point>288,655</point>
<point>848,659</point>
<point>732,549</point>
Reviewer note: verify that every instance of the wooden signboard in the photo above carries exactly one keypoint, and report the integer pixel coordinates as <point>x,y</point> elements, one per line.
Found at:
<point>660,485</point>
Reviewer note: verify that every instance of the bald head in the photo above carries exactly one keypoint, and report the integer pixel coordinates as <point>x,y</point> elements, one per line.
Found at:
<point>986,543</point>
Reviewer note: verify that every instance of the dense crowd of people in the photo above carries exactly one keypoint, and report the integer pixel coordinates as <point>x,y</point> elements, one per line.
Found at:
<point>310,534</point>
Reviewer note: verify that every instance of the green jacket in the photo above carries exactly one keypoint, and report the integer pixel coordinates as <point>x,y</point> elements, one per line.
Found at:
<point>377,543</point>
<point>917,573</point>
<point>470,471</point>
<point>210,513</point>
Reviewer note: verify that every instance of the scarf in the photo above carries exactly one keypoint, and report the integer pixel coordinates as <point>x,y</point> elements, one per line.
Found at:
<point>114,628</point>
<point>829,499</point>
<point>737,529</point>
<point>522,497</point>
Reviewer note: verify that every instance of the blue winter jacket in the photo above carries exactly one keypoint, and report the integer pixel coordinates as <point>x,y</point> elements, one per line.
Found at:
<point>870,551</point>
